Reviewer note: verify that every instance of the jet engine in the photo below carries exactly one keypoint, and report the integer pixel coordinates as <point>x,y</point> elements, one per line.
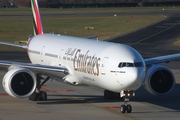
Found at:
<point>159,80</point>
<point>19,82</point>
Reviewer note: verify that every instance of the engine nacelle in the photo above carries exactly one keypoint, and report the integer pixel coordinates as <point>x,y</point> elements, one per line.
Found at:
<point>19,82</point>
<point>159,80</point>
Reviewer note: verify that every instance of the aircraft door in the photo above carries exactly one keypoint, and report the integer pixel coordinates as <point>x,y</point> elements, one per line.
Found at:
<point>43,58</point>
<point>59,62</point>
<point>103,65</point>
<point>42,54</point>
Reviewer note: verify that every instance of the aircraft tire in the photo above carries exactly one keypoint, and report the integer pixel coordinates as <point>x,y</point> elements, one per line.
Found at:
<point>43,96</point>
<point>123,109</point>
<point>33,97</point>
<point>129,108</point>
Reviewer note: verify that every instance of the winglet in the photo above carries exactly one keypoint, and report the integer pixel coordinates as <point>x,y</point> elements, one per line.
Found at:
<point>37,18</point>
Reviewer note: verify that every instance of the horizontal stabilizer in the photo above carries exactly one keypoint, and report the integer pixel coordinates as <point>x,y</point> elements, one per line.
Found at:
<point>15,45</point>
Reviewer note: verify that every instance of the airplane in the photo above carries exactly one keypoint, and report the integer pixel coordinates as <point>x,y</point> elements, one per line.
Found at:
<point>117,68</point>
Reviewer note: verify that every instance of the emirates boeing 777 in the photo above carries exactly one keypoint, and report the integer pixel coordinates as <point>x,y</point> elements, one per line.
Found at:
<point>117,68</point>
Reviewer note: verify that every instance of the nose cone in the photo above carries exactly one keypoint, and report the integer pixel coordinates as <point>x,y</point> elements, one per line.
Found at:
<point>136,77</point>
<point>133,75</point>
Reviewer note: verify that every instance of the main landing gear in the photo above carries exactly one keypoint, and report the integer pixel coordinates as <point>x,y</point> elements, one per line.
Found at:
<point>39,95</point>
<point>116,96</point>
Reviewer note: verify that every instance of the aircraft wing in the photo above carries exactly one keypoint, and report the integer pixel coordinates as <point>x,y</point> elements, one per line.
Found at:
<point>161,59</point>
<point>91,37</point>
<point>12,44</point>
<point>52,71</point>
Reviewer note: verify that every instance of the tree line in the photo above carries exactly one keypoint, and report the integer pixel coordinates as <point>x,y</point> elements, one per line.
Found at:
<point>95,3</point>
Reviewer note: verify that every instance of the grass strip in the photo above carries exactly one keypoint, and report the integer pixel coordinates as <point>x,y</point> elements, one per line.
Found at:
<point>105,27</point>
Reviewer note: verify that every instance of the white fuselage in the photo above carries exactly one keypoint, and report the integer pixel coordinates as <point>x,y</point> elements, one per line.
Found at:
<point>111,66</point>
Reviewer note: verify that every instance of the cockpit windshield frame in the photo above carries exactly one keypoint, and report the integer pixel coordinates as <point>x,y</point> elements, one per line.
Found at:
<point>129,64</point>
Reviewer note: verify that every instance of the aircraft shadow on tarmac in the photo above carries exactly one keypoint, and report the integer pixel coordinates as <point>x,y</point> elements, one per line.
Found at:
<point>170,101</point>
<point>77,99</point>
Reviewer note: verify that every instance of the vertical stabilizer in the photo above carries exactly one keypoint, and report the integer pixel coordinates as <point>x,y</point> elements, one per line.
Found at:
<point>37,18</point>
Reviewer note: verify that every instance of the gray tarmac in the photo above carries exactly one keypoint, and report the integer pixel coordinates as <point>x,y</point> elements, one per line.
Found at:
<point>68,102</point>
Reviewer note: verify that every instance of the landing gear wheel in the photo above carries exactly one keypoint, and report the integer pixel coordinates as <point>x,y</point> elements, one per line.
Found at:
<point>33,97</point>
<point>43,96</point>
<point>126,108</point>
<point>39,95</point>
<point>129,109</point>
<point>123,109</point>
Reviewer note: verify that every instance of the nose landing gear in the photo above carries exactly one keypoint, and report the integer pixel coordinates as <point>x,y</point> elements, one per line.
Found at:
<point>126,107</point>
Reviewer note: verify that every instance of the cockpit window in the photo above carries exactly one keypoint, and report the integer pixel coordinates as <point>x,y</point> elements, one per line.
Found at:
<point>127,64</point>
<point>138,64</point>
